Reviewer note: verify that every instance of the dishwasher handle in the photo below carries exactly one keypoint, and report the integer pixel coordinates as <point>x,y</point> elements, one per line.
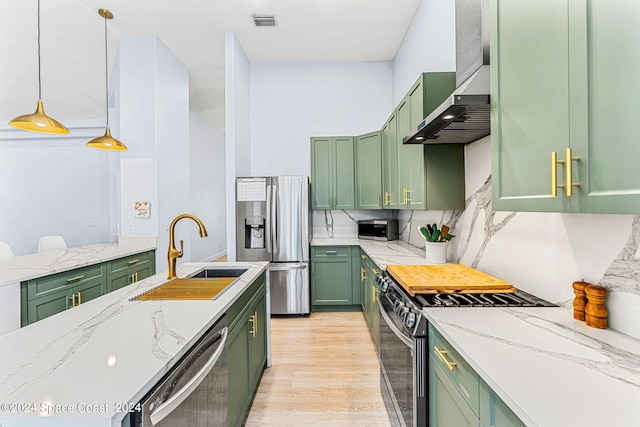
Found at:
<point>181,395</point>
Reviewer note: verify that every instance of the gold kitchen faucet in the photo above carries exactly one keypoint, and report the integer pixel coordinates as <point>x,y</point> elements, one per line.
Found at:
<point>174,253</point>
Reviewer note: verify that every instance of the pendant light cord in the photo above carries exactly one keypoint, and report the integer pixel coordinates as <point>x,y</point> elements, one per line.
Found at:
<point>39,75</point>
<point>106,70</point>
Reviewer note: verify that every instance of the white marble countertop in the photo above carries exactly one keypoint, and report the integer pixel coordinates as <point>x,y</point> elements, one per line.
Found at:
<point>27,267</point>
<point>382,253</point>
<point>62,360</point>
<point>550,369</point>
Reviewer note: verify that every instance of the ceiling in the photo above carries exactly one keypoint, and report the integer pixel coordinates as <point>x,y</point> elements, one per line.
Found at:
<point>72,44</point>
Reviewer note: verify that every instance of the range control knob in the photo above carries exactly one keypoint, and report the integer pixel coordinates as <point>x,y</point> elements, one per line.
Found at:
<point>398,307</point>
<point>410,320</point>
<point>383,284</point>
<point>404,313</point>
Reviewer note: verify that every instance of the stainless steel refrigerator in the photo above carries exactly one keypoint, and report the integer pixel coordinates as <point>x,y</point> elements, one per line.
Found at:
<point>272,224</point>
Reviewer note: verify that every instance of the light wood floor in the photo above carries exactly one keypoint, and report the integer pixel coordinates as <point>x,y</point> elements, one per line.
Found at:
<point>324,372</point>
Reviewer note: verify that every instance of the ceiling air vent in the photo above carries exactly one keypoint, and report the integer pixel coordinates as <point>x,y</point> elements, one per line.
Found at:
<point>264,20</point>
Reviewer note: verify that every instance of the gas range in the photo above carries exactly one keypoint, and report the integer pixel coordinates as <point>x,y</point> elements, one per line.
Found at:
<point>405,305</point>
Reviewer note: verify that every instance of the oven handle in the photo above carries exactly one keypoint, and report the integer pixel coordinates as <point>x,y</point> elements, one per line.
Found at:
<point>167,407</point>
<point>393,328</point>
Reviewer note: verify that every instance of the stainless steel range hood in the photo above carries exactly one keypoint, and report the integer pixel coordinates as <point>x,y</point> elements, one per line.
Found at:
<point>465,116</point>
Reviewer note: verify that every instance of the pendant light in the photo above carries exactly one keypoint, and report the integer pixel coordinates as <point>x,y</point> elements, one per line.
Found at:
<point>39,121</point>
<point>106,142</point>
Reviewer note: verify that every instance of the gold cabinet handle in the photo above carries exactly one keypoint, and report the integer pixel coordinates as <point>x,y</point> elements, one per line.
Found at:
<point>254,324</point>
<point>568,170</point>
<point>376,272</point>
<point>568,162</point>
<point>79,298</point>
<point>387,198</point>
<point>407,198</point>
<point>442,354</point>
<point>363,257</point>
<point>73,279</point>
<point>73,300</point>
<point>374,294</point>
<point>379,199</point>
<point>133,261</point>
<point>137,276</point>
<point>362,275</point>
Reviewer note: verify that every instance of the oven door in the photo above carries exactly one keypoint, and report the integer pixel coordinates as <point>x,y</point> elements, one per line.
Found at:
<point>396,354</point>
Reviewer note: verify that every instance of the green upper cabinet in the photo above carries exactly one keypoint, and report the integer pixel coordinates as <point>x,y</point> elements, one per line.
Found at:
<point>369,171</point>
<point>390,164</point>
<point>529,101</point>
<point>414,176</point>
<point>332,173</point>
<point>559,82</point>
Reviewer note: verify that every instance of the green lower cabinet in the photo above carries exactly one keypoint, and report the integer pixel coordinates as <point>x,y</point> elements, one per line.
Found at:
<point>494,412</point>
<point>368,274</point>
<point>447,407</point>
<point>457,394</point>
<point>125,271</point>
<point>48,295</point>
<point>247,345</point>
<point>334,272</point>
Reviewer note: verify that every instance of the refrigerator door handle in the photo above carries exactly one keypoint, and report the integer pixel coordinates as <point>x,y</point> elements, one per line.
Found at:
<point>267,234</point>
<point>273,210</point>
<point>287,267</point>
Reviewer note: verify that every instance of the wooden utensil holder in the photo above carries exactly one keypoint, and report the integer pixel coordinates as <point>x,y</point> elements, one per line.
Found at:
<point>580,300</point>
<point>595,311</point>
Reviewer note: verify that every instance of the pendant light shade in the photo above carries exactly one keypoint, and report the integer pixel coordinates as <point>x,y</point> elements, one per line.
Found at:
<point>39,121</point>
<point>106,141</point>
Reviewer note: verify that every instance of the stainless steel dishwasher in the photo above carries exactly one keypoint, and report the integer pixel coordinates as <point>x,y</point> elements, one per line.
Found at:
<point>195,392</point>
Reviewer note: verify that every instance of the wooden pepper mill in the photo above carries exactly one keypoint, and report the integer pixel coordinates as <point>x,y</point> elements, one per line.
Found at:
<point>580,300</point>
<point>595,311</point>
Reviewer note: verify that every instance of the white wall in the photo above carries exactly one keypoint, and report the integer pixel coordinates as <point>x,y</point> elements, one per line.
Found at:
<point>207,168</point>
<point>291,102</point>
<point>237,128</point>
<point>428,45</point>
<point>55,184</point>
<point>155,122</point>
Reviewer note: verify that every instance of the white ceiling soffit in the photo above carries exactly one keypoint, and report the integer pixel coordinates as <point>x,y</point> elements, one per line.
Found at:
<point>73,44</point>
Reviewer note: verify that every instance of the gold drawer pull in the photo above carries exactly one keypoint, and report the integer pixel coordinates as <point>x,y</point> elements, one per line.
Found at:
<point>442,354</point>
<point>133,261</point>
<point>362,276</point>
<point>376,272</point>
<point>73,279</point>
<point>73,300</point>
<point>79,298</point>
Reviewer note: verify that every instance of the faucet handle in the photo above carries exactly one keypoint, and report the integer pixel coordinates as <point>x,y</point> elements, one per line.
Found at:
<point>181,249</point>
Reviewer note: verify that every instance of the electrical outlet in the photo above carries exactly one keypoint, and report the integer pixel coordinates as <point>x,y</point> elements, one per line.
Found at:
<point>131,229</point>
<point>92,223</point>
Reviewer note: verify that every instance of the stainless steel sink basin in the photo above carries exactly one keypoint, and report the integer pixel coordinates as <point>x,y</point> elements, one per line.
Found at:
<point>220,272</point>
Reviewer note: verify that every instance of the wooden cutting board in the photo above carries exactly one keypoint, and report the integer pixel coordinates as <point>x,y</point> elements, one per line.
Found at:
<point>446,279</point>
<point>188,289</point>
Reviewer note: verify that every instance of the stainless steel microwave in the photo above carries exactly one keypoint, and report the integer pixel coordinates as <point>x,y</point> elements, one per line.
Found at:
<point>378,229</point>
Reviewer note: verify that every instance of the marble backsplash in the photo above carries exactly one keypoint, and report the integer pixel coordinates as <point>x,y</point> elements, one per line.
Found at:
<point>541,253</point>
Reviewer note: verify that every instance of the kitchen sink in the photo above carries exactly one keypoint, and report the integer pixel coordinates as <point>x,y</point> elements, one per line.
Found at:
<point>207,284</point>
<point>219,272</point>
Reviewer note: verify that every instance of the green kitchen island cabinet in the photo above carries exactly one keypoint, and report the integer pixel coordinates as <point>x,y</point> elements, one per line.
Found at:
<point>334,273</point>
<point>559,84</point>
<point>125,271</point>
<point>47,295</point>
<point>457,395</point>
<point>332,172</point>
<point>247,344</point>
<point>369,171</point>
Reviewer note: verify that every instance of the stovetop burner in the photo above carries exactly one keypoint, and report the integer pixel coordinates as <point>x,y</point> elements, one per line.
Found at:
<point>517,299</point>
<point>520,298</point>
